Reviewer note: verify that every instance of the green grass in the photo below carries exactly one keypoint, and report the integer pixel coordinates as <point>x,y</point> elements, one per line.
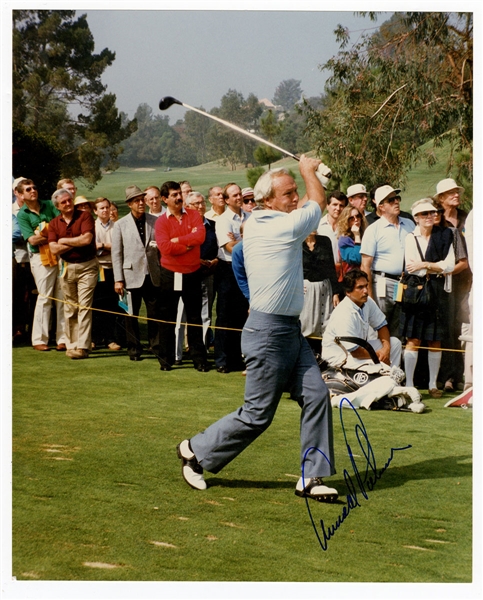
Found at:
<point>421,180</point>
<point>202,177</point>
<point>96,480</point>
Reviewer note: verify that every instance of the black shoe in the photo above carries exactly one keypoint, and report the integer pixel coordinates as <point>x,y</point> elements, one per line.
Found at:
<point>191,469</point>
<point>178,362</point>
<point>222,370</point>
<point>135,358</point>
<point>165,367</point>
<point>202,368</point>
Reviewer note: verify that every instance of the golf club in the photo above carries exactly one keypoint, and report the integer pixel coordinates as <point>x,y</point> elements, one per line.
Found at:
<point>323,172</point>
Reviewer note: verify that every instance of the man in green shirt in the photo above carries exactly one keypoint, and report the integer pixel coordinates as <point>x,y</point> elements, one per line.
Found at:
<point>33,218</point>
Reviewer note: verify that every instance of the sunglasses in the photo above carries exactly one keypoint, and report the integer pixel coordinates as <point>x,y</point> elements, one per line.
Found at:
<point>428,213</point>
<point>247,200</point>
<point>30,188</point>
<point>392,200</point>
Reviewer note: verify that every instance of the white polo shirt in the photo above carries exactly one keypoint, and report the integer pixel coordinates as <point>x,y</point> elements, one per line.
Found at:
<point>272,246</point>
<point>325,228</point>
<point>348,319</point>
<point>228,222</point>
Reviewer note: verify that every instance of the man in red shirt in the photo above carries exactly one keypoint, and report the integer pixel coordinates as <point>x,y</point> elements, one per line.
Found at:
<point>72,238</point>
<point>179,235</point>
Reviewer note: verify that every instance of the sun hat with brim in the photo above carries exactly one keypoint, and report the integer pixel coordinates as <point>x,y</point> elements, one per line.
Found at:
<point>423,207</point>
<point>445,185</point>
<point>248,191</point>
<point>132,191</point>
<point>81,200</point>
<point>355,189</point>
<point>383,192</point>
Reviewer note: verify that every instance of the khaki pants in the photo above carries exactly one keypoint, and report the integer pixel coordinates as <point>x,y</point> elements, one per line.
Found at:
<point>78,286</point>
<point>48,284</point>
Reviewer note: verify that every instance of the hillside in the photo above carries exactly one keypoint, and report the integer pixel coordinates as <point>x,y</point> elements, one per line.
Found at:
<point>421,179</point>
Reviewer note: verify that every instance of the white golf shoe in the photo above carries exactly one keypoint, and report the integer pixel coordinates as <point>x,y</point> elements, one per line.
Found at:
<point>191,469</point>
<point>315,489</point>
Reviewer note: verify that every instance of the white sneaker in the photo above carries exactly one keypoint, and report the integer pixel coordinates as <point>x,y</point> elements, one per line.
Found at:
<point>191,469</point>
<point>315,489</point>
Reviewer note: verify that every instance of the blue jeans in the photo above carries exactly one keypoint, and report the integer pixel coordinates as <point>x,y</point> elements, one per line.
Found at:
<point>278,360</point>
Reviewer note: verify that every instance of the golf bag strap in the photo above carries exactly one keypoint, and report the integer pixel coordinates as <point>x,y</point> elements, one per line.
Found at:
<point>359,342</point>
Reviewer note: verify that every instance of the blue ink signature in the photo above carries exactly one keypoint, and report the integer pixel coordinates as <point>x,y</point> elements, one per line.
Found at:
<point>365,479</point>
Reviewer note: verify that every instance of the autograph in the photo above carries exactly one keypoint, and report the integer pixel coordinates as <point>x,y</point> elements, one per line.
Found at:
<point>362,481</point>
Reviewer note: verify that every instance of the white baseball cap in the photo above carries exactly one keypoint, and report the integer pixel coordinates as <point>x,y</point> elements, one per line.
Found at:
<point>383,192</point>
<point>423,207</point>
<point>447,184</point>
<point>357,188</point>
<point>16,182</point>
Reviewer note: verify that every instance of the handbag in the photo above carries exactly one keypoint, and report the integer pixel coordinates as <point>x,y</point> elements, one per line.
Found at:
<point>417,293</point>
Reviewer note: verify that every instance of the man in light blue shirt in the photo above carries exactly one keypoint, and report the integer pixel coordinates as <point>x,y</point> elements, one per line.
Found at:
<point>382,251</point>
<point>278,357</point>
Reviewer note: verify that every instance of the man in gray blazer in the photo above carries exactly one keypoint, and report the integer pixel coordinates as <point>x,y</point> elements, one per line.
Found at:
<point>136,266</point>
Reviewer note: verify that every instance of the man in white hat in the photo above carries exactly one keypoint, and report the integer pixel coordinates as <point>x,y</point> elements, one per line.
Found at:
<point>357,196</point>
<point>448,194</point>
<point>382,252</point>
<point>448,198</point>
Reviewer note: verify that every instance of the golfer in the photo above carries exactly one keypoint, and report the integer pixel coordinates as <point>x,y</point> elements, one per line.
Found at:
<point>278,358</point>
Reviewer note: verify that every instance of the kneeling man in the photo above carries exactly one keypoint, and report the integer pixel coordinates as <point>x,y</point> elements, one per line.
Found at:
<point>358,316</point>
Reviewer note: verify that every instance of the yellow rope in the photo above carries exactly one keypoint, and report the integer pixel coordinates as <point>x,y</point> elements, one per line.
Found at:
<point>125,314</point>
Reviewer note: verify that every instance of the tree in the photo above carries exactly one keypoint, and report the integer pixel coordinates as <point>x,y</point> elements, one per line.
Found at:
<point>27,147</point>
<point>287,94</point>
<point>270,128</point>
<point>228,146</point>
<point>55,71</point>
<point>196,130</point>
<point>410,82</point>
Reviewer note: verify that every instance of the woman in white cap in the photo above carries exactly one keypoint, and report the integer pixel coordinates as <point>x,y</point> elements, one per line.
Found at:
<point>428,252</point>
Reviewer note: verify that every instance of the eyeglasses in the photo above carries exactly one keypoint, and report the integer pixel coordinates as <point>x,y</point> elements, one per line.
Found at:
<point>247,200</point>
<point>352,217</point>
<point>30,188</point>
<point>428,213</point>
<point>392,200</point>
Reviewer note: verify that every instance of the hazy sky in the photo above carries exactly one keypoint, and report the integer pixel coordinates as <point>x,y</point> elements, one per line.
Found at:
<point>197,56</point>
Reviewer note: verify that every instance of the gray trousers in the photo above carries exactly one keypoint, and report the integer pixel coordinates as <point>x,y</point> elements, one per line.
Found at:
<point>278,359</point>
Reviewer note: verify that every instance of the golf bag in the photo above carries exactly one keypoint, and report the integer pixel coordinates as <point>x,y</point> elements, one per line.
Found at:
<point>374,386</point>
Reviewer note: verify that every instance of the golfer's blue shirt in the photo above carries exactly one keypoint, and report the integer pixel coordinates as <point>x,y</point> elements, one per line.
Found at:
<point>272,246</point>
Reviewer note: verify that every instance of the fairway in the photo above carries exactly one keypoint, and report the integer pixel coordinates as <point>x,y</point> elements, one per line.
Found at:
<point>98,493</point>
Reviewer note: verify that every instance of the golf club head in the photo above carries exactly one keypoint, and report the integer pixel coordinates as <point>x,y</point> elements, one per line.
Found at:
<point>168,101</point>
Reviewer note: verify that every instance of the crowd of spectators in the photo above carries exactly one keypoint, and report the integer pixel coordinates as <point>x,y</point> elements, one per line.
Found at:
<point>175,252</point>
